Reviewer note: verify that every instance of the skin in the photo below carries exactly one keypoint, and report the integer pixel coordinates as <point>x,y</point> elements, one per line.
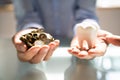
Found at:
<point>109,37</point>
<point>103,39</point>
<point>84,53</point>
<point>113,39</point>
<point>35,54</point>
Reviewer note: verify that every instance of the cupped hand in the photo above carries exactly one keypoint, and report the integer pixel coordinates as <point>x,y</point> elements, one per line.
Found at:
<point>34,54</point>
<point>88,53</point>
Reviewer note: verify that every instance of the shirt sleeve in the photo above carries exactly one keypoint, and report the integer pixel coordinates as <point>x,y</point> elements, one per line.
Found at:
<point>85,11</point>
<point>27,15</point>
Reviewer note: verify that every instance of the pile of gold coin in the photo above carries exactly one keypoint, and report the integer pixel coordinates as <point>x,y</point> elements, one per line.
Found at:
<point>36,37</point>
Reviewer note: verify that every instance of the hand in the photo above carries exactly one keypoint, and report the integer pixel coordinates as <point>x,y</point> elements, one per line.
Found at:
<point>35,54</point>
<point>109,37</point>
<point>113,39</point>
<point>98,50</point>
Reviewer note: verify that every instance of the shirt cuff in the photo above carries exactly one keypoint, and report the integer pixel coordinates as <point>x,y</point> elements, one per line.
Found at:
<point>86,23</point>
<point>32,25</point>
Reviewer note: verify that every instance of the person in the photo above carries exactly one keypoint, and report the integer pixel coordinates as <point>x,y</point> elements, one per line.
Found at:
<point>113,39</point>
<point>57,17</point>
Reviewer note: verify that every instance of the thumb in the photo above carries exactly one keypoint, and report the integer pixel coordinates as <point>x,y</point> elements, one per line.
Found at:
<point>19,45</point>
<point>113,39</point>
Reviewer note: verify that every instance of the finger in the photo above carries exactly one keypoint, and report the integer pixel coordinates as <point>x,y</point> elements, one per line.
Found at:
<point>53,46</point>
<point>85,55</point>
<point>57,42</point>
<point>70,50</point>
<point>103,33</point>
<point>41,54</point>
<point>73,50</point>
<point>89,57</point>
<point>98,50</point>
<point>76,52</point>
<point>20,46</point>
<point>74,42</point>
<point>113,39</point>
<point>82,55</point>
<point>50,52</point>
<point>28,55</point>
<point>16,37</point>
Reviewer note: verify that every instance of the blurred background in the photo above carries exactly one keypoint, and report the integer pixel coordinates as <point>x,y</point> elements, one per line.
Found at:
<point>108,67</point>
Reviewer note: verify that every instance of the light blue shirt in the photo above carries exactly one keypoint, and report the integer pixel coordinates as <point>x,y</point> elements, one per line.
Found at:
<point>58,17</point>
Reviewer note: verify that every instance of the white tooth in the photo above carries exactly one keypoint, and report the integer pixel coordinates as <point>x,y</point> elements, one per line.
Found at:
<point>88,32</point>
